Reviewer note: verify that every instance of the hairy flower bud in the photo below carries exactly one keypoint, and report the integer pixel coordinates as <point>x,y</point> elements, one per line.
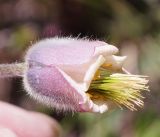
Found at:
<point>77,75</point>
<point>61,72</point>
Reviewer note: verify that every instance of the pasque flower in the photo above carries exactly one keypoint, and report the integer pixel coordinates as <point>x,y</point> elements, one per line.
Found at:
<point>80,75</point>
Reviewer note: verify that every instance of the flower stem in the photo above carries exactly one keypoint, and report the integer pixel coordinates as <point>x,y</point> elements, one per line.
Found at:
<point>12,70</point>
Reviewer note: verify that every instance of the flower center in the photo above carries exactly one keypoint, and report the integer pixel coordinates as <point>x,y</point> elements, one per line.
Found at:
<point>121,89</point>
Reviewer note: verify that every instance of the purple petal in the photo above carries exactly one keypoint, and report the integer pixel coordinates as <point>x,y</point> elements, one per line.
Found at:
<point>49,83</point>
<point>63,51</point>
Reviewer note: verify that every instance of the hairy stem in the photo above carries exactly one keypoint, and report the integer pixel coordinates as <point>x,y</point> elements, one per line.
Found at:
<point>12,70</point>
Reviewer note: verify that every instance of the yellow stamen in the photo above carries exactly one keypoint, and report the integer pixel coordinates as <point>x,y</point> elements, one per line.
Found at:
<point>123,89</point>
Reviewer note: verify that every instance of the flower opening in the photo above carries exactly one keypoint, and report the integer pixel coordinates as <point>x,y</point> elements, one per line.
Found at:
<point>122,89</point>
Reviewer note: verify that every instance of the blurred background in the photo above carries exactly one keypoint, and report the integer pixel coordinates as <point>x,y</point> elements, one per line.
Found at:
<point>132,25</point>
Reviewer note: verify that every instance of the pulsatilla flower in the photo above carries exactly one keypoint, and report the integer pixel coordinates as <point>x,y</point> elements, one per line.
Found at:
<point>80,75</point>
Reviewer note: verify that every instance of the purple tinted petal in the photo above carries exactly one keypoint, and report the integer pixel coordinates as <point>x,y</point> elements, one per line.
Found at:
<point>63,51</point>
<point>49,82</point>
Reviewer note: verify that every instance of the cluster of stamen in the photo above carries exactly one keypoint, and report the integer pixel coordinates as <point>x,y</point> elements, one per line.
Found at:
<point>121,89</point>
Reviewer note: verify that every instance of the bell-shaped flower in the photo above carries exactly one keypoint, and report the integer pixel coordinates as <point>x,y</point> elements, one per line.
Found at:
<point>80,75</point>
